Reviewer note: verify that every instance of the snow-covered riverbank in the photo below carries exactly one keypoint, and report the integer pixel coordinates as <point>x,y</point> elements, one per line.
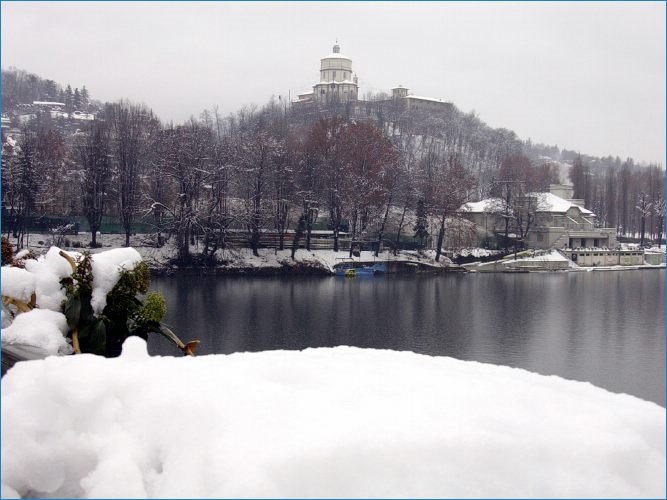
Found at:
<point>242,261</point>
<point>274,262</point>
<point>340,422</point>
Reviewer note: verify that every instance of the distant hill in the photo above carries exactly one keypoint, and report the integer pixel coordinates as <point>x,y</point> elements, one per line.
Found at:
<point>25,96</point>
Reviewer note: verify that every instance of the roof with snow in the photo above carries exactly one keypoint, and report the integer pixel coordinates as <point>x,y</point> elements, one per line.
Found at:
<point>48,103</point>
<point>337,82</point>
<point>487,205</point>
<point>422,98</point>
<point>548,202</point>
<point>334,55</point>
<point>551,203</point>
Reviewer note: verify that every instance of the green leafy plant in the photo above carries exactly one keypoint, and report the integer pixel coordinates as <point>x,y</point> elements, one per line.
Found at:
<point>125,314</point>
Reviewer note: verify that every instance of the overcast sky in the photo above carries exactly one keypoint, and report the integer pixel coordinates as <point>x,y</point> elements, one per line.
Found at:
<point>583,76</point>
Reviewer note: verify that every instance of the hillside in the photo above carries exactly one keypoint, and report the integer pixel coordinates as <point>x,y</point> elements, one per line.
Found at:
<point>363,169</point>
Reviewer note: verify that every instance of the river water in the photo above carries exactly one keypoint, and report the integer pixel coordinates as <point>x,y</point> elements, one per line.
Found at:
<point>607,328</point>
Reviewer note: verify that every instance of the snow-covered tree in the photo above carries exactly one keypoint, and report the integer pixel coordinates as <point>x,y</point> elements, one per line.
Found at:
<point>96,169</point>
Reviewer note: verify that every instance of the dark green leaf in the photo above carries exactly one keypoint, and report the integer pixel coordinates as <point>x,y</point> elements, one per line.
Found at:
<point>98,336</point>
<point>73,311</point>
<point>84,331</point>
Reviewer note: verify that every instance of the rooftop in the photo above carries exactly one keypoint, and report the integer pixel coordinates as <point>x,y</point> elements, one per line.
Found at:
<point>547,203</point>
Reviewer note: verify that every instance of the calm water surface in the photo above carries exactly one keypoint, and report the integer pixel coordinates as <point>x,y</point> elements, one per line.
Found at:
<point>607,328</point>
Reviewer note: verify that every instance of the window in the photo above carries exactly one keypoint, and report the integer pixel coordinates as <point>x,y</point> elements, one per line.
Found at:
<point>334,75</point>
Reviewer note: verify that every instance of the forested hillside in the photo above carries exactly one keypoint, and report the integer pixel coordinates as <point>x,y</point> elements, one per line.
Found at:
<point>267,169</point>
<point>20,87</point>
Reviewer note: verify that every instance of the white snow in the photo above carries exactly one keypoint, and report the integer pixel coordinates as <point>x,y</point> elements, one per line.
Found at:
<point>338,82</point>
<point>342,422</point>
<point>487,205</point>
<point>476,252</point>
<point>106,273</point>
<point>549,202</point>
<point>336,55</point>
<point>48,270</point>
<point>552,256</point>
<point>421,98</point>
<point>17,283</point>
<point>39,328</point>
<point>42,276</point>
<point>48,103</point>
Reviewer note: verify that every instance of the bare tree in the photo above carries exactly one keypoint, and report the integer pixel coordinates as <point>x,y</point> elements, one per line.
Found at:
<point>130,125</point>
<point>94,161</point>
<point>645,208</point>
<point>453,187</point>
<point>324,144</point>
<point>369,173</point>
<point>659,211</point>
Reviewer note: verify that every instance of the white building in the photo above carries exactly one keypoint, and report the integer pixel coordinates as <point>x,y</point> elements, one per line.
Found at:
<point>337,82</point>
<point>402,96</point>
<point>559,222</point>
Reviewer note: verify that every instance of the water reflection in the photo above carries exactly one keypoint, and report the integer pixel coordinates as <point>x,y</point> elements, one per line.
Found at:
<point>603,327</point>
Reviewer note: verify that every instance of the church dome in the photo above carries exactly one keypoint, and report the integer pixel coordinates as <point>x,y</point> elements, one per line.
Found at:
<point>335,54</point>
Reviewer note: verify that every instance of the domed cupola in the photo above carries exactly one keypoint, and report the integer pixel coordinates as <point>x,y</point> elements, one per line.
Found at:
<point>336,81</point>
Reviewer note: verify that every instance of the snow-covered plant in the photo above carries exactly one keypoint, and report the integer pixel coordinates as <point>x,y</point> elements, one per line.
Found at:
<point>98,297</point>
<point>84,327</point>
<point>124,315</point>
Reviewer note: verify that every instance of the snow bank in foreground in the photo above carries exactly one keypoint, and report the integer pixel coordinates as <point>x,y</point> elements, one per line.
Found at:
<point>336,422</point>
<point>39,328</point>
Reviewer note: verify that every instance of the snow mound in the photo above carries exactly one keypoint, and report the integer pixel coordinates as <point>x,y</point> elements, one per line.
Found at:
<point>17,283</point>
<point>39,328</point>
<point>341,422</point>
<point>107,267</point>
<point>48,270</point>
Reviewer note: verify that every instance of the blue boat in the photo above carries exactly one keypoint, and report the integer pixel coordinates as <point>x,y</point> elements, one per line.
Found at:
<point>349,269</point>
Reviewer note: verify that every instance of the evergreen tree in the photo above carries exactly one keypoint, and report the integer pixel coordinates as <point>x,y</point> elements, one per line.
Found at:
<point>26,184</point>
<point>85,98</point>
<point>50,90</point>
<point>421,226</point>
<point>69,99</point>
<point>76,101</point>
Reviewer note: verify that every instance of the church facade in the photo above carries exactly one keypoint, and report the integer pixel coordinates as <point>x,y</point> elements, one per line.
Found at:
<point>338,89</point>
<point>337,85</point>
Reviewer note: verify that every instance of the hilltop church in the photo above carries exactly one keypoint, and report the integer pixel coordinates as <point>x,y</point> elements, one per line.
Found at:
<point>339,86</point>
